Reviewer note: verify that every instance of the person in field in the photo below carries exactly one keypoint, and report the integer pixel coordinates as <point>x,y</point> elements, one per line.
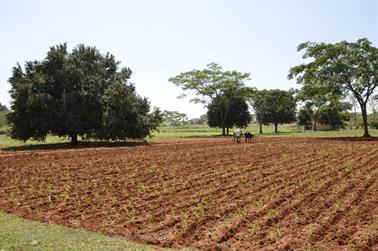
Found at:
<point>237,135</point>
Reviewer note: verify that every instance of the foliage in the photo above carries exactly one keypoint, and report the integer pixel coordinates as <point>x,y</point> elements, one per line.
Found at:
<point>332,112</point>
<point>3,108</point>
<point>305,116</point>
<point>282,107</point>
<point>342,67</point>
<point>335,114</point>
<point>212,82</point>
<point>374,106</point>
<point>202,120</point>
<point>236,109</point>
<point>3,115</point>
<point>174,118</point>
<point>209,83</point>
<point>374,124</point>
<point>274,106</point>
<point>82,93</point>
<point>260,105</point>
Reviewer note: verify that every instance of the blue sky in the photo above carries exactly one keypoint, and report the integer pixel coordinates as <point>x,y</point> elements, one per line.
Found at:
<point>159,39</point>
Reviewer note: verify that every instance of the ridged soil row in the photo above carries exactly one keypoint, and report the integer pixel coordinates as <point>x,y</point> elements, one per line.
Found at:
<point>268,180</point>
<point>206,184</point>
<point>247,206</point>
<point>318,207</point>
<point>331,227</point>
<point>286,203</point>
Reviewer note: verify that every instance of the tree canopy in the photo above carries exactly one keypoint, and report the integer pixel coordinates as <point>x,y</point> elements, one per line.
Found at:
<point>3,108</point>
<point>174,118</point>
<point>334,114</point>
<point>323,106</point>
<point>238,112</point>
<point>305,117</point>
<point>211,83</point>
<point>82,93</point>
<point>3,114</point>
<point>274,107</point>
<point>343,67</point>
<point>202,120</point>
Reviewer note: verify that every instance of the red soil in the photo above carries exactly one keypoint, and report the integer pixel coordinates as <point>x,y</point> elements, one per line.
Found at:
<point>272,194</point>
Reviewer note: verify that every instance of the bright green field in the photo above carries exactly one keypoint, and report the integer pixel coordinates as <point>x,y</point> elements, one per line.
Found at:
<point>268,131</point>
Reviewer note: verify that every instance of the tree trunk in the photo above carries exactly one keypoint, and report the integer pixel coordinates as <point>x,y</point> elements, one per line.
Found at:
<point>276,128</point>
<point>228,131</point>
<point>314,126</point>
<point>223,122</point>
<point>261,132</point>
<point>74,139</point>
<point>365,120</point>
<point>355,116</point>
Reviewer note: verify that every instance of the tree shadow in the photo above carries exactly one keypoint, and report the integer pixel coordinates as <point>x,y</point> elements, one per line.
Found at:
<point>80,145</point>
<point>350,139</point>
<point>231,135</point>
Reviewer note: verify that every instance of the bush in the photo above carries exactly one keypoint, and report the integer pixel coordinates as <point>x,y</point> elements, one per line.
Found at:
<point>3,119</point>
<point>374,125</point>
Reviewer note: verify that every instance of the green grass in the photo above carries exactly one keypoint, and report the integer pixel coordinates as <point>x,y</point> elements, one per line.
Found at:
<point>206,131</point>
<point>19,234</point>
<point>268,131</point>
<point>7,142</point>
<point>186,131</point>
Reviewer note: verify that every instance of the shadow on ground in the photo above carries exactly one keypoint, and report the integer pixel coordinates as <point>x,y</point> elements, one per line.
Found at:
<point>80,145</point>
<point>231,135</point>
<point>353,139</point>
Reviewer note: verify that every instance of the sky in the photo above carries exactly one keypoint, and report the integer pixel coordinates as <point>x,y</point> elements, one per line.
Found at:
<point>162,38</point>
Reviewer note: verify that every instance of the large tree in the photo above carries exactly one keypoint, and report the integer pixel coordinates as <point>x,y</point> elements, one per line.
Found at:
<point>3,108</point>
<point>174,118</point>
<point>282,107</point>
<point>305,115</point>
<point>323,106</point>
<point>202,120</point>
<point>260,105</point>
<point>274,107</point>
<point>340,67</point>
<point>82,93</point>
<point>3,114</point>
<point>210,83</point>
<point>238,112</point>
<point>374,108</point>
<point>334,114</point>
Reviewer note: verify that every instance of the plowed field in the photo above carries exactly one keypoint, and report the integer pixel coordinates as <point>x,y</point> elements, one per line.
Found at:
<point>272,194</point>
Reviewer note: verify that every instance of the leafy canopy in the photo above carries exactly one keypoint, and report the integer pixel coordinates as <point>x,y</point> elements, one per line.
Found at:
<point>274,106</point>
<point>79,93</point>
<point>174,118</point>
<point>340,68</point>
<point>237,108</point>
<point>210,83</point>
<point>213,86</point>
